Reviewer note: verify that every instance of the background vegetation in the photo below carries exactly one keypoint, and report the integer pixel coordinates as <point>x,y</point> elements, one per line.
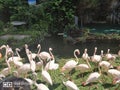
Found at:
<point>54,15</point>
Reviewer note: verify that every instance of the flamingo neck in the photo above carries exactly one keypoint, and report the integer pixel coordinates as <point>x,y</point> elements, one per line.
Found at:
<point>88,63</point>
<point>52,56</point>
<point>94,52</point>
<point>99,70</point>
<point>101,53</point>
<point>7,62</point>
<point>108,51</point>
<point>39,49</point>
<point>17,53</point>
<point>76,56</point>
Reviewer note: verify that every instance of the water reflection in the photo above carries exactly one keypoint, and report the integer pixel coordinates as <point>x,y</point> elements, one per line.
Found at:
<point>62,49</point>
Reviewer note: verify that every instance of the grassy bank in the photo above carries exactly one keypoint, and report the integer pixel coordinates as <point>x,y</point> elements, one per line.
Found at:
<point>76,76</point>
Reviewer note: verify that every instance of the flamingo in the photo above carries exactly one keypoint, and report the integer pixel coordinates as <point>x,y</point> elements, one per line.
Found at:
<point>27,51</point>
<point>31,82</point>
<point>16,59</point>
<point>105,65</point>
<point>96,58</point>
<point>114,73</point>
<point>40,86</point>
<point>72,63</point>
<point>84,67</point>
<point>7,70</point>
<point>32,63</point>
<point>44,55</point>
<point>109,56</point>
<point>69,84</point>
<point>85,55</point>
<point>7,48</point>
<point>46,76</point>
<point>92,77</point>
<point>27,66</point>
<point>51,65</point>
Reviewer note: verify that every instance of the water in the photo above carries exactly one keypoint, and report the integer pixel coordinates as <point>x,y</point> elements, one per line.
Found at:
<point>65,50</point>
<point>104,28</point>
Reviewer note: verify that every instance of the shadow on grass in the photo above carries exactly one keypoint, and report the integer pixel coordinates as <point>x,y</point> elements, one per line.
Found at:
<point>54,86</point>
<point>82,74</point>
<point>108,85</point>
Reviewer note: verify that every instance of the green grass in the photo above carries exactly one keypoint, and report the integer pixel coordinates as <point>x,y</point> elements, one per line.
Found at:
<point>75,75</point>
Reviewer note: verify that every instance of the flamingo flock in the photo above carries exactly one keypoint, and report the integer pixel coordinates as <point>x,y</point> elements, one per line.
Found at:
<point>42,65</point>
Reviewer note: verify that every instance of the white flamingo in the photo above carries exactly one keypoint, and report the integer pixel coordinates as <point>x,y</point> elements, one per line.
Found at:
<point>105,65</point>
<point>114,73</point>
<point>27,51</point>
<point>85,55</point>
<point>70,84</point>
<point>27,66</point>
<point>51,65</point>
<point>32,63</point>
<point>31,82</point>
<point>44,55</point>
<point>40,86</point>
<point>15,58</point>
<point>84,67</point>
<point>40,63</point>
<point>71,63</point>
<point>6,71</point>
<point>46,76</point>
<point>92,77</point>
<point>96,58</point>
<point>109,56</point>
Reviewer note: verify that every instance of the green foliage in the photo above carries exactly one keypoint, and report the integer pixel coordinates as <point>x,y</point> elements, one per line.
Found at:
<point>57,13</point>
<point>1,25</point>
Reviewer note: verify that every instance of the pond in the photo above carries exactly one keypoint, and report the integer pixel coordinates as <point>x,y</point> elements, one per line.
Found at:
<point>62,49</point>
<point>104,28</point>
